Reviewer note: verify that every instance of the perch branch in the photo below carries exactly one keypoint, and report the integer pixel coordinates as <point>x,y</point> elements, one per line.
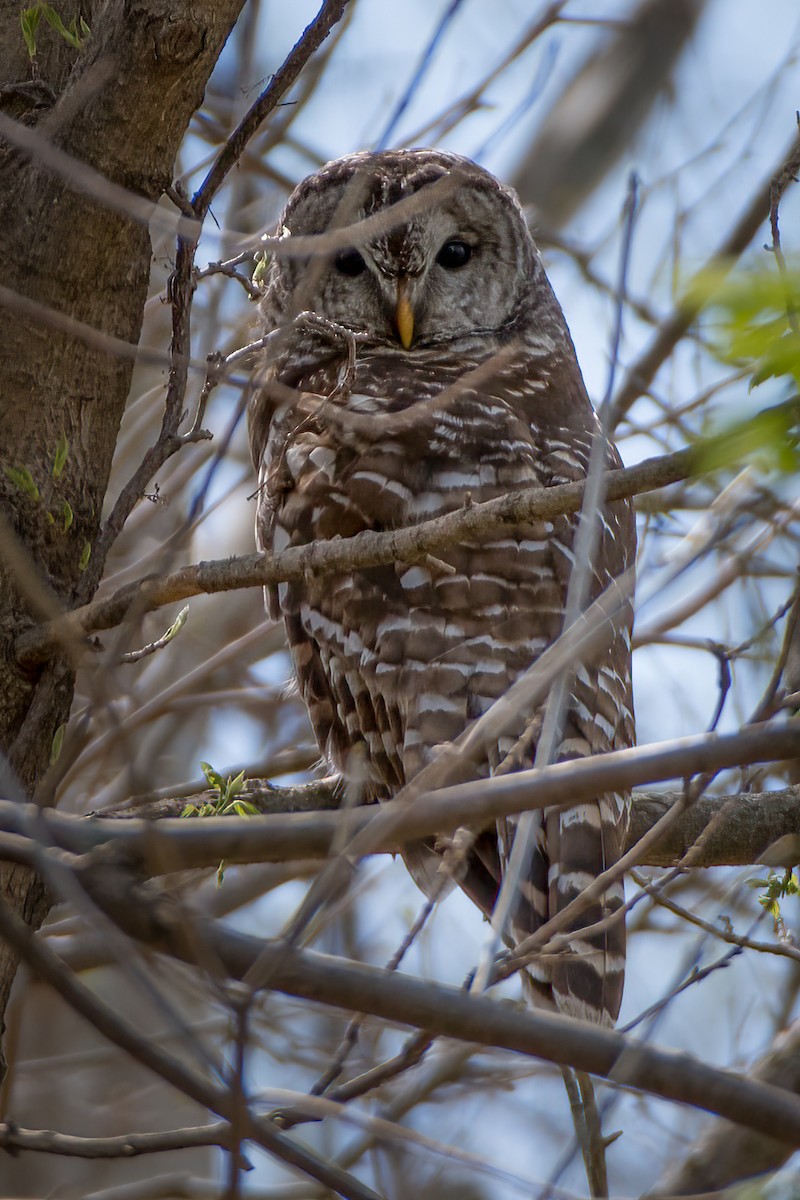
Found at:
<point>164,846</point>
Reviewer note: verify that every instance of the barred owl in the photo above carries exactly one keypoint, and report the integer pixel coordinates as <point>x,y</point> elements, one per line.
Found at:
<point>464,386</point>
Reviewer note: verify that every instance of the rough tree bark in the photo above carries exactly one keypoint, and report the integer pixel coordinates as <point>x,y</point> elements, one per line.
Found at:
<point>120,104</point>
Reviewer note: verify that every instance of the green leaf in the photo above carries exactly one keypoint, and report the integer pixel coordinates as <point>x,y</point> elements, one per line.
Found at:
<point>57,743</point>
<point>220,873</point>
<point>23,479</point>
<point>745,295</point>
<point>62,454</point>
<point>177,625</point>
<point>86,554</point>
<point>245,808</point>
<point>260,272</point>
<point>213,777</point>
<point>234,786</point>
<point>29,19</point>
<point>67,515</point>
<point>771,436</point>
<point>748,315</point>
<point>191,809</point>
<point>777,888</point>
<point>69,33</point>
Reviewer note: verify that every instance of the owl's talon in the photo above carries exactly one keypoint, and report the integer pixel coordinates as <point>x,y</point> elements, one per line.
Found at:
<point>455,849</point>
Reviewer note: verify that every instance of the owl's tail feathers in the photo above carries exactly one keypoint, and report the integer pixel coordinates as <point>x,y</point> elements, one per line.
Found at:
<point>587,979</point>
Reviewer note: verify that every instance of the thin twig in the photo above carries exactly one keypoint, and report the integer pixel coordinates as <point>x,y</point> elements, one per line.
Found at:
<point>782,949</point>
<point>779,184</point>
<point>287,74</point>
<point>642,372</point>
<point>143,1050</point>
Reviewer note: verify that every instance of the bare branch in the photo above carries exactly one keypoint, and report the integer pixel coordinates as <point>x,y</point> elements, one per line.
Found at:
<point>312,38</point>
<point>13,1138</point>
<point>724,1154</point>
<point>643,371</point>
<point>347,554</point>
<point>753,821</point>
<point>218,1099</point>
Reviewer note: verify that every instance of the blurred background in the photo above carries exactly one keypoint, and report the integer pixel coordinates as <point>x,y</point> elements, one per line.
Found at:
<point>564,101</point>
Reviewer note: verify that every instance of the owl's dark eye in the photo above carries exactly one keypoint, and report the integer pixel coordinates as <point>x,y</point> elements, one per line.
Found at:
<point>454,254</point>
<point>349,262</point>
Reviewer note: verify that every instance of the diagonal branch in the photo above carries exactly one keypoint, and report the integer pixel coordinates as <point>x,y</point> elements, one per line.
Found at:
<point>722,1154</point>
<point>443,1011</point>
<point>287,74</point>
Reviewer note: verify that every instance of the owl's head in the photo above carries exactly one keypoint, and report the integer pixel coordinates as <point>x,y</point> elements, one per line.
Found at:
<point>420,248</point>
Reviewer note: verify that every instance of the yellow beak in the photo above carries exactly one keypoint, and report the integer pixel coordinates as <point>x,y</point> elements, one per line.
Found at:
<point>404,315</point>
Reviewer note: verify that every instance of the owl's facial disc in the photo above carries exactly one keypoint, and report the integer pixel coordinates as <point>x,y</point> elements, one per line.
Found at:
<point>456,270</point>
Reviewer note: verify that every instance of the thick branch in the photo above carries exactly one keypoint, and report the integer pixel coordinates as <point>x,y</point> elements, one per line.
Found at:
<point>124,1145</point>
<point>745,826</point>
<point>168,845</point>
<point>749,823</point>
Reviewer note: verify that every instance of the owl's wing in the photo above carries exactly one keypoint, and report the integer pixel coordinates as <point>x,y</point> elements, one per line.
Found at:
<point>586,840</point>
<point>571,847</point>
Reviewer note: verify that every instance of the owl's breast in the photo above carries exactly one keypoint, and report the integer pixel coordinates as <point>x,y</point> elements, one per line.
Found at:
<point>403,657</point>
<point>366,461</point>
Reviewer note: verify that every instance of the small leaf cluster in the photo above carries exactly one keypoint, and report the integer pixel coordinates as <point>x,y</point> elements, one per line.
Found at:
<point>226,802</point>
<point>756,328</point>
<point>262,259</point>
<point>73,34</point>
<point>57,509</point>
<point>777,888</point>
<point>753,325</point>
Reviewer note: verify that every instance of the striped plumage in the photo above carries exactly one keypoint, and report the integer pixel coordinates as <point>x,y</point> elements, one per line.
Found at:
<point>394,661</point>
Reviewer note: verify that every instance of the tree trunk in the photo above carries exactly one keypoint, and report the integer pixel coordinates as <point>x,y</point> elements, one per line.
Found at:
<point>120,104</point>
